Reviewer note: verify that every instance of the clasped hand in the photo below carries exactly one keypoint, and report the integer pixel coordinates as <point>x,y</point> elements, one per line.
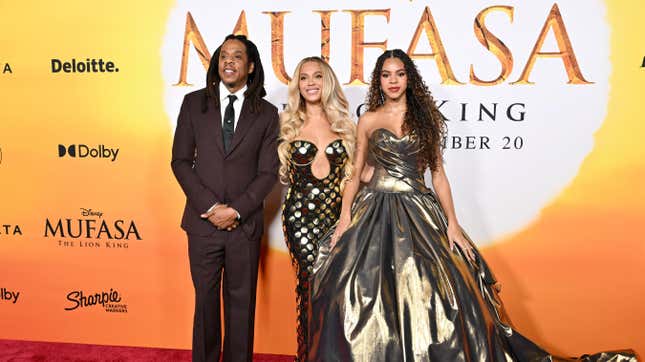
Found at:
<point>222,216</point>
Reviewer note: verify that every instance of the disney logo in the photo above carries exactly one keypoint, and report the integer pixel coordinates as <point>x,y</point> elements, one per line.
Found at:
<point>90,212</point>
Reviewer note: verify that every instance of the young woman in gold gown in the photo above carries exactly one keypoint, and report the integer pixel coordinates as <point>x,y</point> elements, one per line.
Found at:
<point>399,280</point>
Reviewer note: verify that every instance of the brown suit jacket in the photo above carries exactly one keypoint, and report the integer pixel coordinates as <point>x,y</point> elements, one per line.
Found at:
<point>241,178</point>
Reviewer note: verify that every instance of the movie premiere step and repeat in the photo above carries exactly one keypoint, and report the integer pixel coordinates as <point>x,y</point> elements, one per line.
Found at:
<point>544,113</point>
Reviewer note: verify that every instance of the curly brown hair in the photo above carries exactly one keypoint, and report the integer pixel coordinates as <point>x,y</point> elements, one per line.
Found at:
<point>422,116</point>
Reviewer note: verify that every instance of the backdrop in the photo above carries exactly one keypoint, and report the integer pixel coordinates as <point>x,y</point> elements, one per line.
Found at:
<point>544,154</point>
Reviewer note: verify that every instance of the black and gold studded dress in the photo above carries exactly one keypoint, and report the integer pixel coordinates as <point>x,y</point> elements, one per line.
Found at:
<point>310,208</point>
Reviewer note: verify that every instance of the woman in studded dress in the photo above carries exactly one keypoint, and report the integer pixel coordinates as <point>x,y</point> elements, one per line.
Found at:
<point>317,138</point>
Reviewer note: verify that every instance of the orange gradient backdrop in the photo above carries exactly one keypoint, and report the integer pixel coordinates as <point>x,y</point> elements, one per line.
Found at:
<point>574,280</point>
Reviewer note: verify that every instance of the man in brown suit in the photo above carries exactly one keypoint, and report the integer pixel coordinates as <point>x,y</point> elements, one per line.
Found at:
<point>224,156</point>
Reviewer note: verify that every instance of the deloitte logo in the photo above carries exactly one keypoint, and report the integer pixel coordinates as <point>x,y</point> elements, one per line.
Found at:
<point>85,151</point>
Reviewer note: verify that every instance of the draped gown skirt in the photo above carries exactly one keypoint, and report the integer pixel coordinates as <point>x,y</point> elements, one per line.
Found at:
<point>393,290</point>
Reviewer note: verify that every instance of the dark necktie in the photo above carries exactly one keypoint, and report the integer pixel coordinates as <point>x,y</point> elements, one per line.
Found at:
<point>229,122</point>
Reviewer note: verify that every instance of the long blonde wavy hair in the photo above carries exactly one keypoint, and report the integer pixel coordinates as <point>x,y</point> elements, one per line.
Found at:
<point>336,109</point>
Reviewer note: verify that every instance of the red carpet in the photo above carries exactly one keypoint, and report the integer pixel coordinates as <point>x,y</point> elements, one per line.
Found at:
<point>16,351</point>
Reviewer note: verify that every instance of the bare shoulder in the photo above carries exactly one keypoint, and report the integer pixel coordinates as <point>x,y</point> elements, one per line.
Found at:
<point>366,122</point>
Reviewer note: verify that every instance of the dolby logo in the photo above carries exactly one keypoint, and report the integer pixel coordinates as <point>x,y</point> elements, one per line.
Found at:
<point>85,151</point>
<point>9,295</point>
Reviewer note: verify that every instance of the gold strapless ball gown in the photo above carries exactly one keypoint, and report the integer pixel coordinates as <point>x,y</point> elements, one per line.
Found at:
<point>392,290</point>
